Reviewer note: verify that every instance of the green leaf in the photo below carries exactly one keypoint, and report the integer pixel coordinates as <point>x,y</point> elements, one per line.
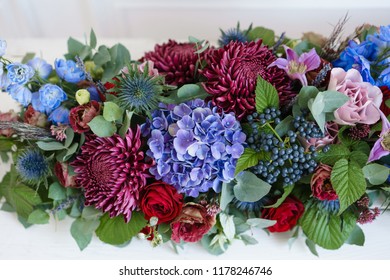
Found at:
<point>356,237</point>
<point>74,46</point>
<point>90,212</point>
<point>69,137</point>
<point>286,192</point>
<point>50,146</point>
<point>92,39</point>
<point>102,127</point>
<point>284,126</point>
<point>102,56</point>
<point>69,153</point>
<point>359,157</point>
<point>260,223</point>
<point>335,153</point>
<point>82,231</point>
<point>227,195</point>
<point>327,230</point>
<point>305,94</point>
<point>19,196</point>
<point>248,240</point>
<point>57,192</point>
<point>188,90</point>
<point>126,123</point>
<point>333,100</point>
<point>115,231</point>
<point>375,173</point>
<point>250,188</point>
<point>267,35</point>
<point>112,112</point>
<point>248,159</point>
<point>214,249</point>
<point>7,207</point>
<point>227,224</point>
<point>348,181</point>
<point>38,217</point>
<point>27,57</point>
<point>312,247</point>
<point>266,95</point>
<point>201,50</point>
<point>318,115</point>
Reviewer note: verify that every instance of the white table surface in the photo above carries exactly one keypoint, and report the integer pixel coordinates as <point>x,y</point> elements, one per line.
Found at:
<point>54,241</point>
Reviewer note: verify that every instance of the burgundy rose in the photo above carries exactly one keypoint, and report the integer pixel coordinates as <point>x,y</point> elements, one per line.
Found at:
<point>386,95</point>
<point>9,116</point>
<point>193,222</point>
<point>162,201</point>
<point>321,186</point>
<point>61,170</point>
<point>34,117</point>
<point>286,215</point>
<point>80,116</point>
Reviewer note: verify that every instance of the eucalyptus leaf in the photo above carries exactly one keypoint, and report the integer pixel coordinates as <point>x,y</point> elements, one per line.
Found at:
<point>92,39</point>
<point>112,112</point>
<point>69,153</point>
<point>248,240</point>
<point>260,223</point>
<point>102,127</point>
<point>38,216</point>
<point>227,195</point>
<point>356,237</point>
<point>305,94</point>
<point>227,224</point>
<point>284,126</point>
<point>57,192</point>
<point>69,137</point>
<point>375,173</point>
<point>312,247</point>
<point>82,231</point>
<point>126,124</point>
<point>214,249</point>
<point>50,146</point>
<point>250,188</point>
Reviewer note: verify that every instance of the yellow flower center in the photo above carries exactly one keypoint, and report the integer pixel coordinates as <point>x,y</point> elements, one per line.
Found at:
<point>295,67</point>
<point>386,142</point>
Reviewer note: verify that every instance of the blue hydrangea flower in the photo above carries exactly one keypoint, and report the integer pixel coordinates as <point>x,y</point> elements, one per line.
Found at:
<point>19,73</point>
<point>50,98</point>
<point>195,147</point>
<point>3,47</point>
<point>41,67</point>
<point>59,116</point>
<point>32,166</point>
<point>69,71</point>
<point>20,93</point>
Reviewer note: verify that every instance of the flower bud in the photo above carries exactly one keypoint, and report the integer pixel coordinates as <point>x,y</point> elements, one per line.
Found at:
<point>83,96</point>
<point>153,221</point>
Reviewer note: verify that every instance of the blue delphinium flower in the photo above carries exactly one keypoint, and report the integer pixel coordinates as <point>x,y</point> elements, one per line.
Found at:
<point>69,71</point>
<point>41,67</point>
<point>3,47</point>
<point>195,147</point>
<point>59,116</point>
<point>20,93</point>
<point>50,98</point>
<point>32,166</point>
<point>19,73</point>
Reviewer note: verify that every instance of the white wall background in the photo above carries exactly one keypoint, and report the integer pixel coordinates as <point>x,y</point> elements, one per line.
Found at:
<point>163,19</point>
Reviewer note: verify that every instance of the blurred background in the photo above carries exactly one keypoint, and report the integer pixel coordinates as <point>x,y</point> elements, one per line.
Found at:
<point>159,20</point>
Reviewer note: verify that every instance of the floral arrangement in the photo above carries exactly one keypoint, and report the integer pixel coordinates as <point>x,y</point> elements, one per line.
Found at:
<point>195,142</point>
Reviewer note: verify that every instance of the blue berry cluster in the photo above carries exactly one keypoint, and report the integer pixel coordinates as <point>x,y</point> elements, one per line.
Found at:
<point>307,129</point>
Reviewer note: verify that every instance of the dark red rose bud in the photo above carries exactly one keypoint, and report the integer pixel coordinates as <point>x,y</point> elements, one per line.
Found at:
<point>80,116</point>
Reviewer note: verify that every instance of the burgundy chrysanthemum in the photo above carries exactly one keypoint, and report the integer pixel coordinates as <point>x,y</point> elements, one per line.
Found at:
<point>112,171</point>
<point>232,72</point>
<point>174,60</point>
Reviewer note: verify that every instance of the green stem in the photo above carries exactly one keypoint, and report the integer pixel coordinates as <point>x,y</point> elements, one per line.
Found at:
<point>274,132</point>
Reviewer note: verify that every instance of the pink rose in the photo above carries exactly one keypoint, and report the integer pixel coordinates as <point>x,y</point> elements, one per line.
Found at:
<point>10,116</point>
<point>62,173</point>
<point>321,186</point>
<point>364,98</point>
<point>193,222</point>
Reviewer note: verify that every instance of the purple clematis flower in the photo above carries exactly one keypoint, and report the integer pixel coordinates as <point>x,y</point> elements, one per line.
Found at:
<point>296,66</point>
<point>381,147</point>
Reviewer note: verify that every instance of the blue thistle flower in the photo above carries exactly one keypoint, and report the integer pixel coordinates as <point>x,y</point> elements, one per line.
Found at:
<point>233,34</point>
<point>137,91</point>
<point>250,206</point>
<point>32,166</point>
<point>330,206</point>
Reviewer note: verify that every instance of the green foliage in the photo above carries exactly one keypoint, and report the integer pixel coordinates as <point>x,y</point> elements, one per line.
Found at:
<point>82,231</point>
<point>101,127</point>
<point>227,224</point>
<point>50,146</point>
<point>284,126</point>
<point>356,237</point>
<point>38,216</point>
<point>22,198</point>
<point>260,223</point>
<point>375,173</point>
<point>348,181</point>
<point>57,192</point>
<point>247,239</point>
<point>213,245</point>
<point>115,231</point>
<point>227,195</point>
<point>27,57</point>
<point>327,230</point>
<point>305,94</point>
<point>112,112</point>
<point>286,192</point>
<point>266,95</point>
<point>249,187</point>
<point>126,123</point>
<point>248,159</point>
<point>267,35</point>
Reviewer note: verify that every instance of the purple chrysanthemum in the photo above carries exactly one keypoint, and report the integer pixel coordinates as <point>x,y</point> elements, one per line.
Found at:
<point>112,171</point>
<point>232,73</point>
<point>195,148</point>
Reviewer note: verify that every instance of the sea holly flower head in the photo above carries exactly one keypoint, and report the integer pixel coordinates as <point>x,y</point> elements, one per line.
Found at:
<point>381,147</point>
<point>296,66</point>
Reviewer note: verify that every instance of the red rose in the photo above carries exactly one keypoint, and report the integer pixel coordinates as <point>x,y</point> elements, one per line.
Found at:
<point>193,222</point>
<point>10,116</point>
<point>62,173</point>
<point>80,116</point>
<point>162,201</point>
<point>34,117</point>
<point>321,186</point>
<point>286,215</point>
<point>386,95</point>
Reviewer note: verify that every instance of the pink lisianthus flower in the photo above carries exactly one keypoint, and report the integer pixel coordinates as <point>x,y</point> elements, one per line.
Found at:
<point>364,98</point>
<point>296,66</point>
<point>381,147</point>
